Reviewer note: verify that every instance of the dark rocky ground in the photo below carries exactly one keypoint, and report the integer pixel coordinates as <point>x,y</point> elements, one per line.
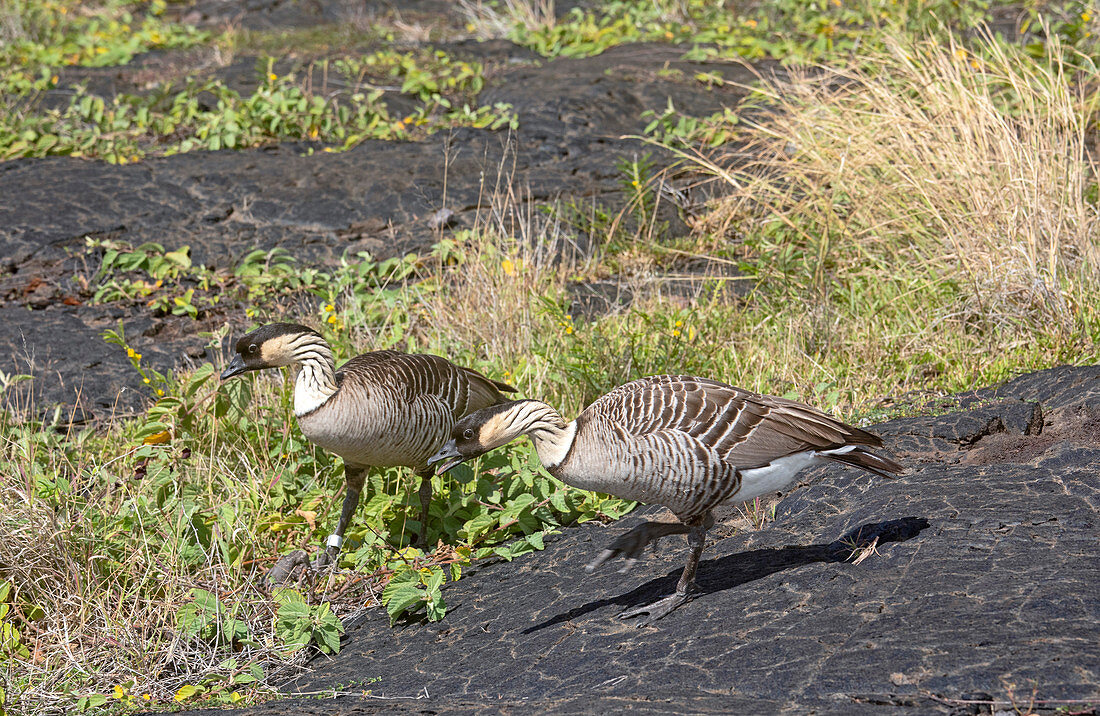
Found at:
<point>378,197</point>
<point>984,586</point>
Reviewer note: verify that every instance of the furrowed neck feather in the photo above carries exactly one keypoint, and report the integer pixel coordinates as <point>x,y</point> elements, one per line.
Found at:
<point>316,381</point>
<point>552,436</point>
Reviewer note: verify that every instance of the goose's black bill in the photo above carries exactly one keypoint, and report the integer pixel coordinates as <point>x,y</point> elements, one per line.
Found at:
<point>235,367</point>
<point>447,457</point>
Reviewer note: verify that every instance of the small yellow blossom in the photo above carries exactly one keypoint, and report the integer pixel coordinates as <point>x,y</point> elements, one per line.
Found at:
<point>569,330</point>
<point>1086,17</point>
<point>313,133</point>
<point>750,23</point>
<point>329,308</point>
<point>146,697</point>
<point>508,266</point>
<point>271,76</point>
<point>332,319</point>
<point>130,352</point>
<point>160,392</point>
<point>54,80</point>
<point>691,333</point>
<point>960,53</point>
<point>470,27</point>
<point>679,324</point>
<point>145,380</point>
<point>676,334</point>
<point>120,691</point>
<point>137,356</point>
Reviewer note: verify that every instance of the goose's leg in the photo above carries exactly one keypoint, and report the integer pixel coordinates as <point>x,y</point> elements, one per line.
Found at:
<point>355,475</point>
<point>425,500</point>
<point>697,535</point>
<point>630,545</point>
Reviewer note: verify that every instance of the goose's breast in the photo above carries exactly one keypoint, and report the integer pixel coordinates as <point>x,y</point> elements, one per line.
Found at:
<point>378,435</point>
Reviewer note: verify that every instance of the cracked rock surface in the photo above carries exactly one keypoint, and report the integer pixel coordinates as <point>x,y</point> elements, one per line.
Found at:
<point>982,584</point>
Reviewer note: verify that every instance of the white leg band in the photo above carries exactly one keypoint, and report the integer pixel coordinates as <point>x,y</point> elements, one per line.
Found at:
<point>336,541</point>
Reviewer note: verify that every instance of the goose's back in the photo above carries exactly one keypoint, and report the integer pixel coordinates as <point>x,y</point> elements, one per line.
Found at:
<point>397,409</point>
<point>682,441</point>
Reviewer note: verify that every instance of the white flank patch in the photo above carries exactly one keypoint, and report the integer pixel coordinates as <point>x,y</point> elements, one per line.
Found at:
<point>840,450</point>
<point>773,476</point>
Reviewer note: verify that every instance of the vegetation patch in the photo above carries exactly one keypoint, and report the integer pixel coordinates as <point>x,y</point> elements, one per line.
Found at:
<point>333,102</point>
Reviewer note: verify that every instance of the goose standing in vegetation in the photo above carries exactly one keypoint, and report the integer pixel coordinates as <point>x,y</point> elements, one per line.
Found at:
<point>687,443</point>
<point>380,409</point>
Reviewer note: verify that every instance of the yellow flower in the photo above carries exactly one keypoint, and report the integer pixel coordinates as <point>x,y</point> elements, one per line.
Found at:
<point>568,330</point>
<point>508,266</point>
<point>679,324</point>
<point>120,691</point>
<point>470,27</point>
<point>271,76</point>
<point>332,319</point>
<point>137,356</point>
<point>329,308</point>
<point>130,352</point>
<point>313,133</point>
<point>146,697</point>
<point>54,80</point>
<point>160,392</point>
<point>960,53</point>
<point>750,23</point>
<point>675,334</point>
<point>1086,17</point>
<point>691,333</point>
<point>145,380</point>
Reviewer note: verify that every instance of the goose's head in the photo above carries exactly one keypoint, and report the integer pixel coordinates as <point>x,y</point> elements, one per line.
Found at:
<point>478,433</point>
<point>270,346</point>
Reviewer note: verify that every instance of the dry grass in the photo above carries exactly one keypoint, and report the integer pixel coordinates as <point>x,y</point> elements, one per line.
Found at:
<point>935,162</point>
<point>494,20</point>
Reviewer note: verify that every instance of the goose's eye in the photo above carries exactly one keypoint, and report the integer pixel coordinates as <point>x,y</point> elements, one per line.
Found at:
<point>252,348</point>
<point>468,434</point>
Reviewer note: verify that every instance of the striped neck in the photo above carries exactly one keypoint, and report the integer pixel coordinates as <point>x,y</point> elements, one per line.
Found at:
<point>549,432</point>
<point>316,381</point>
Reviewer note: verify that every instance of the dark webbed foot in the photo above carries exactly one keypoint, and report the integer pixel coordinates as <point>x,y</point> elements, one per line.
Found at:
<point>326,559</point>
<point>287,568</point>
<point>631,545</point>
<point>658,609</point>
<point>633,542</point>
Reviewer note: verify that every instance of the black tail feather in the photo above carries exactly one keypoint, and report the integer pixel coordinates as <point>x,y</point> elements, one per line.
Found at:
<point>866,460</point>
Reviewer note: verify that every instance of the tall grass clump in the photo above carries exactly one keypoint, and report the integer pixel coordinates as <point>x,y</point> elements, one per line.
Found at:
<point>934,207</point>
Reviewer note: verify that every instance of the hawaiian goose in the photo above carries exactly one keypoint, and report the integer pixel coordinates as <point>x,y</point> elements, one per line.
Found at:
<point>380,409</point>
<point>689,444</point>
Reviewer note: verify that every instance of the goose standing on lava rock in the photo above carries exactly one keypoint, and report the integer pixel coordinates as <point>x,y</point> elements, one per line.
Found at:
<point>380,409</point>
<point>687,443</point>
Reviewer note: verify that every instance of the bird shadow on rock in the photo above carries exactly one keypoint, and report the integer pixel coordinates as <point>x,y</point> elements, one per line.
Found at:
<point>733,570</point>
